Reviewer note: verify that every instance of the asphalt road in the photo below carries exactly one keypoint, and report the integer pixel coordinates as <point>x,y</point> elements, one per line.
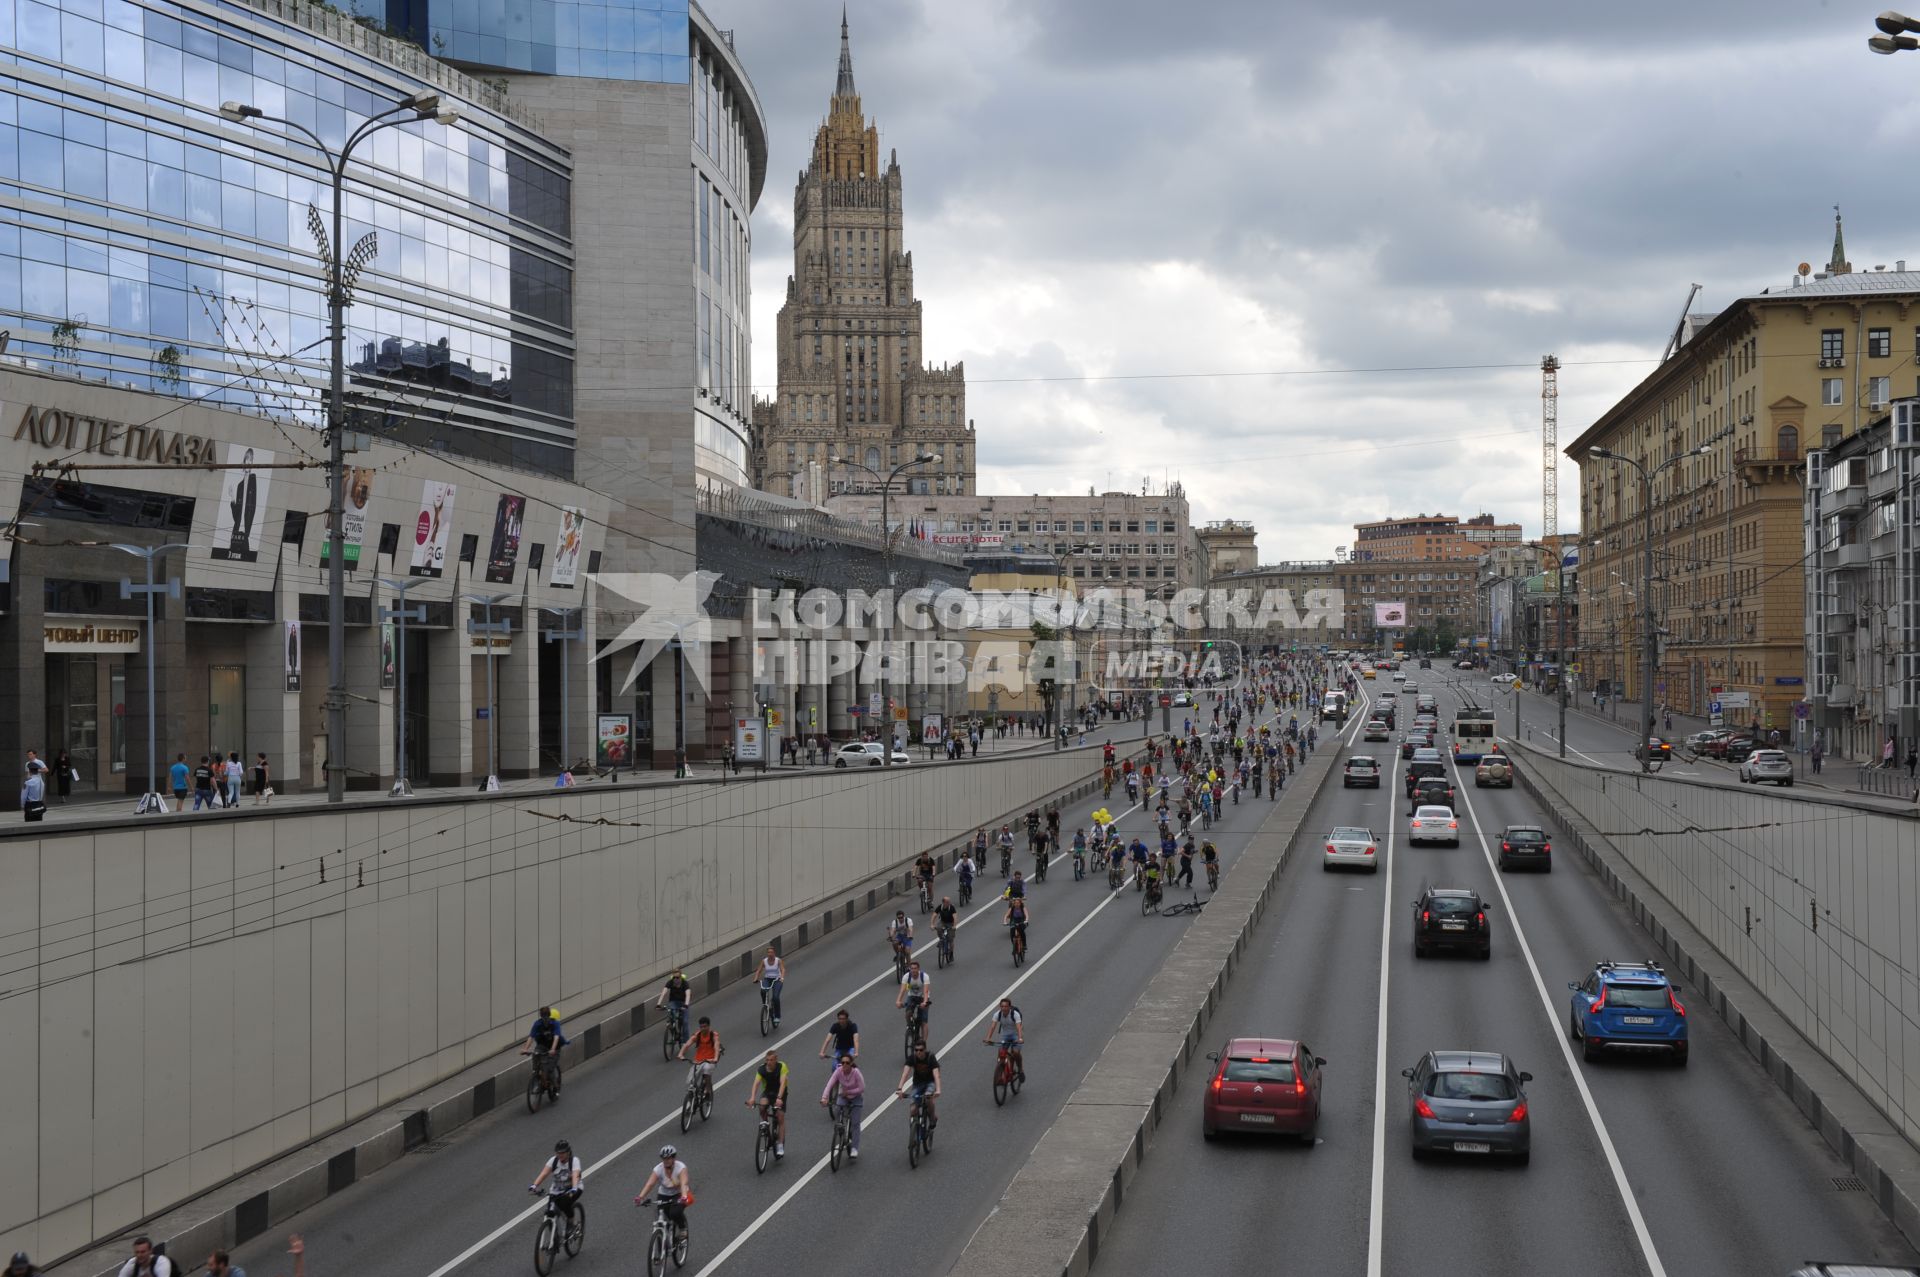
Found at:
<point>1716,1172</point>
<point>459,1204</point>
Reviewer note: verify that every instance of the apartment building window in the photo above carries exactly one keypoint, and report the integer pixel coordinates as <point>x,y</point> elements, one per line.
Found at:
<point>1830,391</point>
<point>1833,343</point>
<point>1133,547</point>
<point>1021,526</point>
<point>1133,571</point>
<point>1079,525</point>
<point>1153,525</point>
<point>1879,389</point>
<point>1006,525</point>
<point>1096,526</point>
<point>1133,525</point>
<point>1879,343</point>
<point>1153,570</point>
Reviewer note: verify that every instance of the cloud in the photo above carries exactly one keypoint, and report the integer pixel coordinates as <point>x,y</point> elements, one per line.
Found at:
<point>1389,218</point>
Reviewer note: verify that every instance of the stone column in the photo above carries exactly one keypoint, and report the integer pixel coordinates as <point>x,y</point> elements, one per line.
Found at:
<point>517,675</point>
<point>450,705</point>
<point>370,707</point>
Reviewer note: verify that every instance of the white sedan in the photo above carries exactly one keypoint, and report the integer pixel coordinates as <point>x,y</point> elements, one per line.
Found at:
<point>865,753</point>
<point>1503,678</point>
<point>1433,824</point>
<point>1352,845</point>
<point>1766,765</point>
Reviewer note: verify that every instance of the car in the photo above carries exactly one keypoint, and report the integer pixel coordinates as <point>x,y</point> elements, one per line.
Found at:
<point>866,753</point>
<point>1263,1085</point>
<point>1425,664</point>
<point>1714,744</point>
<point>1433,791</point>
<point>1398,676</point>
<point>1655,747</point>
<point>1352,845</point>
<point>1368,673</point>
<point>1384,696</point>
<point>1505,680</point>
<point>1493,770</point>
<point>1451,918</point>
<point>1433,824</point>
<point>1463,665</point>
<point>1361,769</point>
<point>1738,747</point>
<point>1385,714</point>
<point>1425,763</point>
<point>1410,687</point>
<point>1627,1006</point>
<point>1697,743</point>
<point>1414,741</point>
<point>1766,765</point>
<point>1469,1102</point>
<point>1182,700</point>
<point>1376,729</point>
<point>1526,845</point>
<point>1814,1268</point>
<point>1425,704</point>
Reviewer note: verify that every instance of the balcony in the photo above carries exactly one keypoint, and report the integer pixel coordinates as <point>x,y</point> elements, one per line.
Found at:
<point>1842,695</point>
<point>1852,497</point>
<point>1848,554</point>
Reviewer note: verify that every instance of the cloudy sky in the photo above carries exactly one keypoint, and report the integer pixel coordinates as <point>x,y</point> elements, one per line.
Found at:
<point>1305,258</point>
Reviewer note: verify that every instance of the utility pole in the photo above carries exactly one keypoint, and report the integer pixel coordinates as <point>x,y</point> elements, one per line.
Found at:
<point>401,615</point>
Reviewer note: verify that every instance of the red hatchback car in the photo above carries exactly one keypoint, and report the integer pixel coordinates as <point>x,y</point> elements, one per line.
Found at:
<point>1265,1086</point>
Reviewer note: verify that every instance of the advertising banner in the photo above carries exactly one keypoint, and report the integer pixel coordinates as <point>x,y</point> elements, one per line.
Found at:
<point>930,729</point>
<point>431,528</point>
<point>1390,616</point>
<point>353,519</point>
<point>389,669</point>
<point>566,551</point>
<point>293,656</point>
<point>506,539</point>
<point>243,504</point>
<point>613,740</point>
<point>746,740</point>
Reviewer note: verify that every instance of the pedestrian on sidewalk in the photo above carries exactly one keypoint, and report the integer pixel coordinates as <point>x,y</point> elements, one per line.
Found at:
<point>262,779</point>
<point>203,784</point>
<point>1818,752</point>
<point>33,791</point>
<point>177,776</point>
<point>1886,753</point>
<point>1912,759</point>
<point>727,763</point>
<point>63,774</point>
<point>235,769</point>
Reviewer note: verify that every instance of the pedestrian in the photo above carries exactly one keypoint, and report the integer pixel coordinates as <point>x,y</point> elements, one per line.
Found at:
<point>177,777</point>
<point>1817,753</point>
<point>33,791</point>
<point>203,784</point>
<point>219,1265</point>
<point>1886,753</point>
<point>1912,759</point>
<point>234,770</point>
<point>219,779</point>
<point>262,783</point>
<point>148,1261</point>
<point>63,774</point>
<point>726,758</point>
<point>973,741</point>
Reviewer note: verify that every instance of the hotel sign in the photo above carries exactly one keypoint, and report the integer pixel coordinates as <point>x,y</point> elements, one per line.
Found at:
<point>70,432</point>
<point>90,636</point>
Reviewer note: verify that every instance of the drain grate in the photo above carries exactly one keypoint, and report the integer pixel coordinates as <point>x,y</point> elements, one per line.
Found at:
<point>1848,1184</point>
<point>434,1146</point>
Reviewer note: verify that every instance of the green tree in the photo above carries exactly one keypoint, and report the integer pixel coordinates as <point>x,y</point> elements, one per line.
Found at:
<point>1046,686</point>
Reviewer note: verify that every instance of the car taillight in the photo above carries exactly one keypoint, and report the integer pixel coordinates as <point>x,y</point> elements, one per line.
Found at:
<point>1299,1085</point>
<point>1423,1108</point>
<point>1425,917</point>
<point>1369,851</point>
<point>1601,1001</point>
<point>1675,1004</point>
<point>1480,919</point>
<point>1506,846</point>
<point>1519,1112</point>
<point>1329,849</point>
<point>1453,824</point>
<point>1219,1079</point>
<point>1545,847</point>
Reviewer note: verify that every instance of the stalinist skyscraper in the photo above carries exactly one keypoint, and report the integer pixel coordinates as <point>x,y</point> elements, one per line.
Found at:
<point>855,397</point>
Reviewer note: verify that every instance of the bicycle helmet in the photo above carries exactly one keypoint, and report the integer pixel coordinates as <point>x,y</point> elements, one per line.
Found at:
<point>668,1150</point>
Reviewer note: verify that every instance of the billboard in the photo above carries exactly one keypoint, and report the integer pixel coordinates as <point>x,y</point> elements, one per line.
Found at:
<point>505,550</point>
<point>430,529</point>
<point>1390,616</point>
<point>243,504</point>
<point>566,551</point>
<point>353,519</point>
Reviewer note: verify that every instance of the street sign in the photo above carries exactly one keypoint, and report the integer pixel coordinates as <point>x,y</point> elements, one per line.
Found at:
<point>1802,710</point>
<point>1713,707</point>
<point>1736,700</point>
<point>1165,700</point>
<point>873,704</point>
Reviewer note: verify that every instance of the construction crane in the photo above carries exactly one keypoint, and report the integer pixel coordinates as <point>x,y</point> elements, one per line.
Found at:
<point>1549,454</point>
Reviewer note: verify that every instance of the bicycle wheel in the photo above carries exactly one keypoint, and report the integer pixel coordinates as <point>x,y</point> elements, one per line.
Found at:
<point>1019,953</point>
<point>762,1148</point>
<point>553,1082</point>
<point>657,1253</point>
<point>766,1017</point>
<point>913,1142</point>
<point>940,954</point>
<point>543,1247</point>
<point>687,1107</point>
<point>682,1242</point>
<point>1000,1084</point>
<point>1014,1082</point>
<point>1146,903</point>
<point>834,1149</point>
<point>911,1038</point>
<point>669,1040</point>
<point>577,1235</point>
<point>706,1098</point>
<point>534,1093</point>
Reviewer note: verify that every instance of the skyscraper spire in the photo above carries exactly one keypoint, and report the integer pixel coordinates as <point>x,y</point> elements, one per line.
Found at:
<point>1839,265</point>
<point>845,89</point>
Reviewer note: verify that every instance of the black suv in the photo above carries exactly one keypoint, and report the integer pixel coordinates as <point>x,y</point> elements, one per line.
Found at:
<point>1361,770</point>
<point>1426,763</point>
<point>1432,791</point>
<point>1526,845</point>
<point>1451,918</point>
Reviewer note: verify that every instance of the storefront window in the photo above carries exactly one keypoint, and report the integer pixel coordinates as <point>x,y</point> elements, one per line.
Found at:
<point>117,736</point>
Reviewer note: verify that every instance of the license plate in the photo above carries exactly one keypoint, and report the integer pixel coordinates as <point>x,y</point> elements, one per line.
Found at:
<point>1460,1146</point>
<point>1636,1019</point>
<point>1453,926</point>
<point>1257,1119</point>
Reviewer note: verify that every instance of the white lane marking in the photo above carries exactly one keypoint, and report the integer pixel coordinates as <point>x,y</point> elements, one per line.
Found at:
<point>1377,1196</point>
<point>780,1202</point>
<point>1570,749</point>
<point>1654,1267</point>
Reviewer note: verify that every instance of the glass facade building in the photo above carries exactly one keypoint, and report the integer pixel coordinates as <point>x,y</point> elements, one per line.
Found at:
<point>627,40</point>
<point>150,242</point>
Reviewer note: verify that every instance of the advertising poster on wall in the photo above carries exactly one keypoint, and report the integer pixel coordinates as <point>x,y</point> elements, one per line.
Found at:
<point>613,740</point>
<point>505,551</point>
<point>566,551</point>
<point>243,504</point>
<point>293,656</point>
<point>353,519</point>
<point>431,528</point>
<point>388,668</point>
<point>1389,616</point>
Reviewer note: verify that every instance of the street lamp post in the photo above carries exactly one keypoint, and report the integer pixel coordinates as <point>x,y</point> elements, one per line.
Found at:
<point>564,633</point>
<point>886,552</point>
<point>150,801</point>
<point>401,615</point>
<point>1646,584</point>
<point>343,268</point>
<point>489,629</point>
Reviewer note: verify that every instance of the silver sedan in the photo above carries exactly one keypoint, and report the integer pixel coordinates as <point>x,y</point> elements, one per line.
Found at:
<point>1354,846</point>
<point>1766,765</point>
<point>1469,1102</point>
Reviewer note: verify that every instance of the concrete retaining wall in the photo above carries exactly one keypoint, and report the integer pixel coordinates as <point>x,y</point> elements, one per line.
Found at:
<point>193,996</point>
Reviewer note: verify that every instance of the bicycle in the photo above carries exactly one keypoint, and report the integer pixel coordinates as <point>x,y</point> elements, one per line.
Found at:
<point>1040,865</point>
<point>966,890</point>
<point>1213,875</point>
<point>1019,930</point>
<point>766,1008</point>
<point>915,1034</point>
<point>1150,900</point>
<point>763,1137</point>
<point>1006,862</point>
<point>1116,872</point>
<point>842,1143</point>
<point>1191,906</point>
<point>919,1133</point>
<point>1079,863</point>
<point>544,1081</point>
<point>666,1240</point>
<point>550,1240</point>
<point>675,1035</point>
<point>699,1097</point>
<point>944,948</point>
<point>926,896</point>
<point>1006,1078</point>
<point>902,954</point>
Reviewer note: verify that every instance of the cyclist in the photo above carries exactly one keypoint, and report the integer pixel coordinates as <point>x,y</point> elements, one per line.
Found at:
<point>669,1186</point>
<point>773,978</point>
<point>770,1084</point>
<point>980,846</point>
<point>1042,849</point>
<point>1139,854</point>
<point>568,1180</point>
<point>1079,854</point>
<point>1006,849</point>
<point>705,1043</point>
<point>1150,880</point>
<point>916,995</point>
<point>923,872</point>
<point>923,1070</point>
<point>1053,825</point>
<point>1033,826</point>
<point>1133,787</point>
<point>1010,1025</point>
<point>1210,857</point>
<point>1016,919</point>
<point>543,1037</point>
<point>964,869</point>
<point>1016,886</point>
<point>848,1086</point>
<point>900,934</point>
<point>843,1037</point>
<point>676,997</point>
<point>944,915</point>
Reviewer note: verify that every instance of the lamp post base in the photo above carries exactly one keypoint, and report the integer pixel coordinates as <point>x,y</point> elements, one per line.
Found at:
<point>151,804</point>
<point>401,789</point>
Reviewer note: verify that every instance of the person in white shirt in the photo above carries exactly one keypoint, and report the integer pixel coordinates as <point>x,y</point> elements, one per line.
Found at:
<point>146,1261</point>
<point>669,1186</point>
<point>569,1179</point>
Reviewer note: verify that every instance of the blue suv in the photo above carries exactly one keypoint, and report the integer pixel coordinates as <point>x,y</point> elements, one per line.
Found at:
<point>1628,1006</point>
